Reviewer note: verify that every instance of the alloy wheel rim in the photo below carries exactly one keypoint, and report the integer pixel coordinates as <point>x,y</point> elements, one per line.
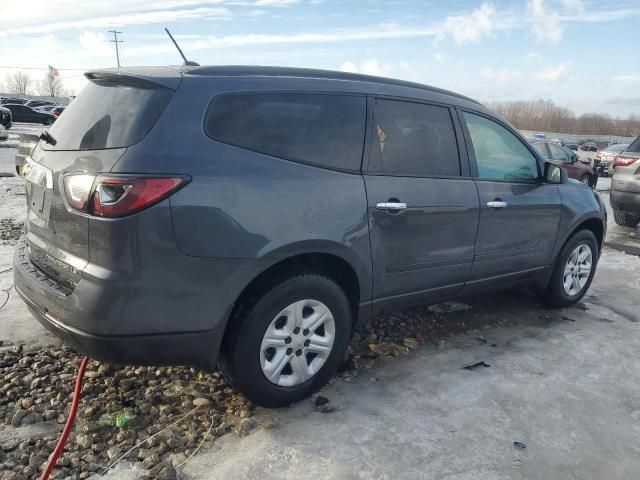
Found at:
<point>297,343</point>
<point>577,270</point>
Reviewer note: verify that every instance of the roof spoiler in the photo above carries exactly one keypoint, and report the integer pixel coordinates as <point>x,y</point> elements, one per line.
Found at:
<point>143,78</point>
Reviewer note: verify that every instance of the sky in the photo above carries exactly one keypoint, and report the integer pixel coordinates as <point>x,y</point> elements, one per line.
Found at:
<point>578,53</point>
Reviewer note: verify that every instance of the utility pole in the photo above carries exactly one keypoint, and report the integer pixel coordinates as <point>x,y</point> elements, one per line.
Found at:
<point>116,41</point>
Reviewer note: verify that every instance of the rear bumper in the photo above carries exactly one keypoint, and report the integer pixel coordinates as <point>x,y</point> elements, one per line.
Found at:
<point>178,320</point>
<point>194,349</point>
<point>626,201</point>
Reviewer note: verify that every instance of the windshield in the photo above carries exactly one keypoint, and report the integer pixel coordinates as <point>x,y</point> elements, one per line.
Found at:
<point>109,115</point>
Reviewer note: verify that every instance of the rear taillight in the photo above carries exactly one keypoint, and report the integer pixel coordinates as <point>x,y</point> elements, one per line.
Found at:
<point>56,113</point>
<point>114,196</point>
<point>624,161</point>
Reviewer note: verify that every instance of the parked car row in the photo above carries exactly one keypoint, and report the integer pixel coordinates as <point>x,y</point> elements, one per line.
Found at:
<point>29,111</point>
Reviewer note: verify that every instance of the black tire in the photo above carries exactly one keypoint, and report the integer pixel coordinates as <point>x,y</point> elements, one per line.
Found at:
<point>240,355</point>
<point>586,179</point>
<point>48,121</point>
<point>624,219</point>
<point>555,295</point>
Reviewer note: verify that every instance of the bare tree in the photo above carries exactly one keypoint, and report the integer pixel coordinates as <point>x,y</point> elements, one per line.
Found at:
<point>19,83</point>
<point>545,116</point>
<point>51,86</point>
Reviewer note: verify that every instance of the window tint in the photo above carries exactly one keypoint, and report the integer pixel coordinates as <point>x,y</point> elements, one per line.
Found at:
<point>415,139</point>
<point>558,153</point>
<point>500,155</point>
<point>109,115</point>
<point>324,130</point>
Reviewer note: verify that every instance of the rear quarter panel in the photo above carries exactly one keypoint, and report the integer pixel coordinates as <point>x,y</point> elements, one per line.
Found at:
<point>245,205</point>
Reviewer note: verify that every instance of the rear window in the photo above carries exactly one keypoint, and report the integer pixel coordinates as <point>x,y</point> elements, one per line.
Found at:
<point>320,129</point>
<point>109,115</point>
<point>634,147</point>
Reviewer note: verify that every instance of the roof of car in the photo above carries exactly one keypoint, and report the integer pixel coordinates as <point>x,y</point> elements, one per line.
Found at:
<point>167,72</point>
<point>267,71</point>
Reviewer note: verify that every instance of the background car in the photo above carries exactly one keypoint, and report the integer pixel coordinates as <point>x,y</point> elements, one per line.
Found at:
<point>44,108</point>
<point>589,147</point>
<point>625,187</point>
<point>13,101</point>
<point>606,156</point>
<point>576,167</point>
<point>570,144</point>
<point>22,113</point>
<point>5,117</point>
<point>38,103</point>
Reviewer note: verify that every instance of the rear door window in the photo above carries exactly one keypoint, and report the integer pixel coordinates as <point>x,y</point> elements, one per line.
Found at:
<point>107,114</point>
<point>500,155</point>
<point>413,139</point>
<point>326,130</point>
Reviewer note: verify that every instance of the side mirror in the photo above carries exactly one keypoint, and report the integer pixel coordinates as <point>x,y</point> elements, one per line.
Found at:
<point>554,174</point>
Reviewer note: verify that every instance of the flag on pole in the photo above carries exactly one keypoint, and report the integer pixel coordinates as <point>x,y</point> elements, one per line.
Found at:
<point>53,71</point>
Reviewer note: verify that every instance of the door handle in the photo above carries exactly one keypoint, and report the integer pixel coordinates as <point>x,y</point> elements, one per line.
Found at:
<point>391,206</point>
<point>497,204</point>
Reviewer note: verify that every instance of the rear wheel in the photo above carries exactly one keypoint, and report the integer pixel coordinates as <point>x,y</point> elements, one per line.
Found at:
<point>289,342</point>
<point>586,179</point>
<point>574,270</point>
<point>624,219</point>
<point>48,121</point>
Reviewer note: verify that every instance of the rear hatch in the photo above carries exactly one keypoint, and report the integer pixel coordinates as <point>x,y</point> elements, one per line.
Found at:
<point>114,111</point>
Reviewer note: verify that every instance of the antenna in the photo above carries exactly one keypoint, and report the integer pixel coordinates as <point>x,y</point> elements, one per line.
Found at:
<point>186,62</point>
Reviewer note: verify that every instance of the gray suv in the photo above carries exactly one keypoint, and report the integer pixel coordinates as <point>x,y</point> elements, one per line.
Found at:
<point>252,217</point>
<point>625,186</point>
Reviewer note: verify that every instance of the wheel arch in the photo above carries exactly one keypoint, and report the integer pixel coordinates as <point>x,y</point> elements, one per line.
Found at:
<point>331,264</point>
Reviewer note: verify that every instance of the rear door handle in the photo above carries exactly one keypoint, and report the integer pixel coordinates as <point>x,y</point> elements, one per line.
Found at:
<point>391,206</point>
<point>497,204</point>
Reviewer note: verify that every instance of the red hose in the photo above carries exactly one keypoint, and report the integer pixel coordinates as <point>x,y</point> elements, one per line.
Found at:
<point>53,458</point>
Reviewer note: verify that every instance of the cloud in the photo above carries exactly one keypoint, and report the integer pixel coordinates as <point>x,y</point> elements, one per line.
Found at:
<point>471,27</point>
<point>138,18</point>
<point>439,57</point>
<point>545,23</point>
<point>626,101</point>
<point>402,70</point>
<point>503,75</point>
<point>553,74</point>
<point>627,78</point>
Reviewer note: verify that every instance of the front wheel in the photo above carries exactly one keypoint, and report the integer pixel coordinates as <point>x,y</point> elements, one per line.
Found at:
<point>624,219</point>
<point>290,342</point>
<point>574,269</point>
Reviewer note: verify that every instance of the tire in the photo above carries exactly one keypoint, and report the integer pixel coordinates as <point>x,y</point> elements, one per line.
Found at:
<point>245,361</point>
<point>586,179</point>
<point>624,219</point>
<point>48,121</point>
<point>556,294</point>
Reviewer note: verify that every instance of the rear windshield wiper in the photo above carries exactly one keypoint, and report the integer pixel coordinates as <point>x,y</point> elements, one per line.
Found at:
<point>47,137</point>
